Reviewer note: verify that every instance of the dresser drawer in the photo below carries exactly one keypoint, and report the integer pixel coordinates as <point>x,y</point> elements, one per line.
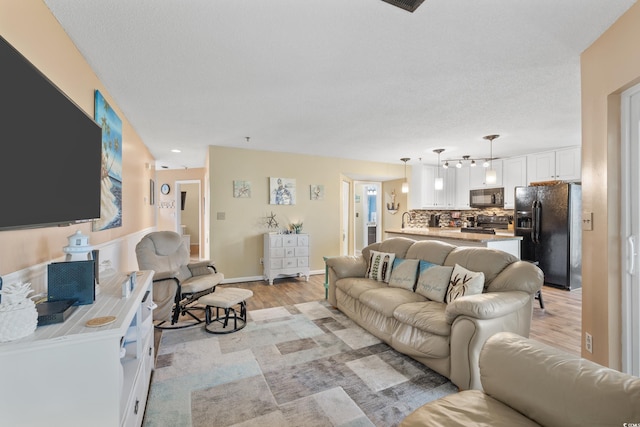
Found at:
<point>276,263</point>
<point>290,262</point>
<point>290,240</point>
<point>275,241</point>
<point>303,262</point>
<point>302,251</point>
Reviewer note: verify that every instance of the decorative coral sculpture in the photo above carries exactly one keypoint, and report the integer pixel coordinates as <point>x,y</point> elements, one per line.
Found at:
<point>18,314</point>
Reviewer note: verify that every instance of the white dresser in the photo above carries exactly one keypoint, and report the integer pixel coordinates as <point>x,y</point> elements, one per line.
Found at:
<point>68,374</point>
<point>286,254</point>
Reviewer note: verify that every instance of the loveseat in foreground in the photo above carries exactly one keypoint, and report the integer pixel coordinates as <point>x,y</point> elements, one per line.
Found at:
<point>527,383</point>
<point>445,336</point>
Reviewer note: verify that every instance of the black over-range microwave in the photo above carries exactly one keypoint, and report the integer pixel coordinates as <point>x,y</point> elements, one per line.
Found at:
<point>487,198</point>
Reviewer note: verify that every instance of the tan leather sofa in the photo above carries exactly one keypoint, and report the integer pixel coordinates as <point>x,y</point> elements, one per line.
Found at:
<point>527,383</point>
<point>445,337</point>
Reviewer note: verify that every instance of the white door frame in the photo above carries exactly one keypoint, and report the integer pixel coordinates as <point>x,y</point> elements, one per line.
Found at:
<point>630,230</point>
<point>178,216</point>
<point>346,209</point>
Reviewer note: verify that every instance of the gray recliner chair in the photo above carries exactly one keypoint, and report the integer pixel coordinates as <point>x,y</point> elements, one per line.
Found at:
<point>177,283</point>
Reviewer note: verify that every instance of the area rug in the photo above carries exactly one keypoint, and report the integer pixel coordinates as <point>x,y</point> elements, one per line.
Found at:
<point>299,365</point>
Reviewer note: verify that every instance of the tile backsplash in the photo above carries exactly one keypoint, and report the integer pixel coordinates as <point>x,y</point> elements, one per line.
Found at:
<point>420,217</point>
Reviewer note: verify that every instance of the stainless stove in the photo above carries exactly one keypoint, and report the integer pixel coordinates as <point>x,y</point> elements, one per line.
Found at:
<point>487,224</point>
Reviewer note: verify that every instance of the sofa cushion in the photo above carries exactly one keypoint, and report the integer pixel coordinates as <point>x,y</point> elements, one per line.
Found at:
<point>380,266</point>
<point>385,300</point>
<point>397,245</point>
<point>404,273</point>
<point>467,408</point>
<point>428,316</point>
<point>433,251</point>
<point>433,281</point>
<point>464,282</point>
<point>487,260</point>
<point>355,286</point>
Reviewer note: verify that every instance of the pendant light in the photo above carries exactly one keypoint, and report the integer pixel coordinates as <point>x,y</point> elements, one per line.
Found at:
<point>405,184</point>
<point>439,182</point>
<point>491,175</point>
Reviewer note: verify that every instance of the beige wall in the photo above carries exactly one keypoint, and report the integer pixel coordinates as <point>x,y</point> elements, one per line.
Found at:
<point>609,66</point>
<point>29,27</point>
<point>236,241</point>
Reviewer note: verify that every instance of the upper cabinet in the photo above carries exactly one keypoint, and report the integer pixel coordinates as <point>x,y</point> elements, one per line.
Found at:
<point>515,175</point>
<point>462,188</point>
<point>423,195</point>
<point>562,165</point>
<point>477,176</point>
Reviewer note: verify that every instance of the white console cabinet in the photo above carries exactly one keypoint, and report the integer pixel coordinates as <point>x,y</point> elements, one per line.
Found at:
<point>285,254</point>
<point>69,374</point>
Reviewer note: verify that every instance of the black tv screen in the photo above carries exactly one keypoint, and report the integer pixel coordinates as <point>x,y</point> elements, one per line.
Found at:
<point>51,150</point>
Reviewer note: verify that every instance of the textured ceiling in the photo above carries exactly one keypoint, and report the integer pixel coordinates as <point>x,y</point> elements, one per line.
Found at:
<point>357,79</point>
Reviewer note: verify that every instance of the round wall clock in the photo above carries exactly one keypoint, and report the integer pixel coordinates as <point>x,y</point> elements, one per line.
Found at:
<point>165,189</point>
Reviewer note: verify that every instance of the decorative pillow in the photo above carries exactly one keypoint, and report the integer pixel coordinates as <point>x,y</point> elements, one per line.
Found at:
<point>380,265</point>
<point>404,273</point>
<point>464,282</point>
<point>433,281</point>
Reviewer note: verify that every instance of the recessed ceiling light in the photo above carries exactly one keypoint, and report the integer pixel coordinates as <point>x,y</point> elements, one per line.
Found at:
<point>175,150</point>
<point>165,167</point>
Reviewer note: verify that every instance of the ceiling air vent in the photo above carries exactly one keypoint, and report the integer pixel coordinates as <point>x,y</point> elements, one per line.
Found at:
<point>410,5</point>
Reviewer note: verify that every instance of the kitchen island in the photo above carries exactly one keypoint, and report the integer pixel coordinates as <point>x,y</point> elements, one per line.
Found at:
<point>503,241</point>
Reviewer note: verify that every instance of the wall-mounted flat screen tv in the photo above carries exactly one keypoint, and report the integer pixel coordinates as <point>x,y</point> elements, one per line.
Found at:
<point>50,157</point>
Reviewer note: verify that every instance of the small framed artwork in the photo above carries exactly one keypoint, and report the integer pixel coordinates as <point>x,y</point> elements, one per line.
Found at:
<point>316,191</point>
<point>241,189</point>
<point>282,191</point>
<point>152,192</point>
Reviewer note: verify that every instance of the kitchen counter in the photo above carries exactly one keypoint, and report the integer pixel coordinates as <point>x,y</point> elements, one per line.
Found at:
<point>504,241</point>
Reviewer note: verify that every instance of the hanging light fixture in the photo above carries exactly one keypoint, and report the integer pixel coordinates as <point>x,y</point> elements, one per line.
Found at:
<point>405,184</point>
<point>439,182</point>
<point>491,175</point>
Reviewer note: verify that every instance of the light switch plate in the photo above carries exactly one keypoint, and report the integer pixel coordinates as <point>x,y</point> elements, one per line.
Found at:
<point>587,221</point>
<point>221,216</point>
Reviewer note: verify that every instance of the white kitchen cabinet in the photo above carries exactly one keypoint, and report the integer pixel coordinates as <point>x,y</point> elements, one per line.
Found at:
<point>462,187</point>
<point>449,190</point>
<point>568,164</point>
<point>285,254</point>
<point>563,164</point>
<point>432,198</point>
<point>514,175</point>
<point>69,374</point>
<point>477,176</point>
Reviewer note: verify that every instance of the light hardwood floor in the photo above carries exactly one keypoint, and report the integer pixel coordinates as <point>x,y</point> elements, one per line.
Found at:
<point>558,324</point>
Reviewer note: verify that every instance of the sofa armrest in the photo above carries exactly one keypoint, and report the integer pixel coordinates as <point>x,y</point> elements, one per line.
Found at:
<point>166,275</point>
<point>561,389</point>
<point>339,267</point>
<point>347,266</point>
<point>473,323</point>
<point>202,267</point>
<point>487,306</point>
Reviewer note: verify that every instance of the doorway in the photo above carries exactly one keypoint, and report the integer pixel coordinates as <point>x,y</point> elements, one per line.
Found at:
<point>367,213</point>
<point>630,158</point>
<point>188,215</point>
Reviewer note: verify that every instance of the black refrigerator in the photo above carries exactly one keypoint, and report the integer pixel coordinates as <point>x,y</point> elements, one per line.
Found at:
<point>549,220</point>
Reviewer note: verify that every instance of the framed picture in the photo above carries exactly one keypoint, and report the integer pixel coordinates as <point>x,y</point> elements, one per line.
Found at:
<point>282,191</point>
<point>152,192</point>
<point>316,192</point>
<point>242,189</point>
<point>111,174</point>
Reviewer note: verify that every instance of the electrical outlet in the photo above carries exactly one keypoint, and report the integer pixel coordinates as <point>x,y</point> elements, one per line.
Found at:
<point>261,261</point>
<point>588,342</point>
